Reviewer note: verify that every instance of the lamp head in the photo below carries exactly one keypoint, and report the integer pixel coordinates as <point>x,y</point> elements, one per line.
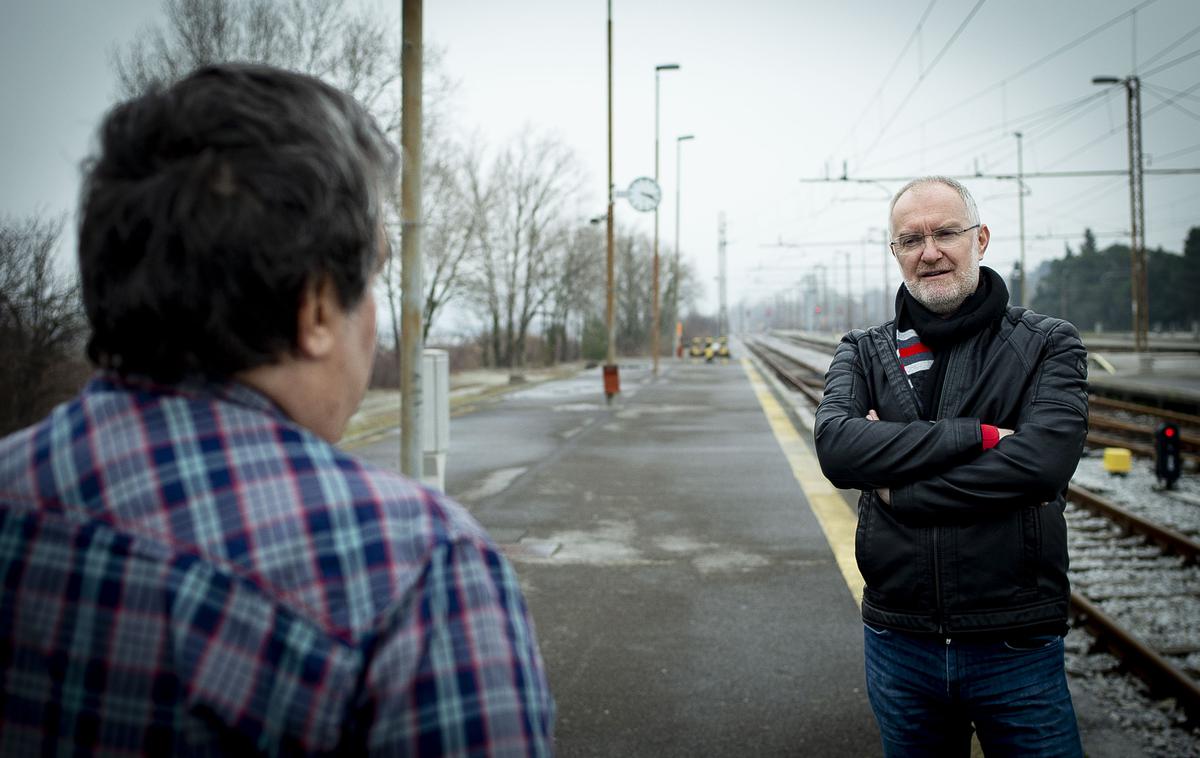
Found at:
<point>685,137</point>
<point>1105,80</point>
<point>667,67</point>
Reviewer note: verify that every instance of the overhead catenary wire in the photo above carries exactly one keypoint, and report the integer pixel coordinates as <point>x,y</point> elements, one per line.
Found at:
<point>891,70</point>
<point>1192,33</point>
<point>924,73</point>
<point>997,135</point>
<point>1170,64</point>
<point>1170,91</point>
<point>1033,133</point>
<point>1177,153</point>
<point>1171,102</point>
<point>1117,129</point>
<point>1041,62</point>
<point>1046,122</point>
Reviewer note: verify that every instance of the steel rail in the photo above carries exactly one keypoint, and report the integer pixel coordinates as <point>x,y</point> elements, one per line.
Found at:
<point>1186,419</point>
<point>1102,421</point>
<point>768,356</point>
<point>1146,450</point>
<point>1162,676</point>
<point>1166,538</point>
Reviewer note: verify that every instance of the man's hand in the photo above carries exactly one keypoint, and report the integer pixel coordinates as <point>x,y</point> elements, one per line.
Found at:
<point>1004,432</point>
<point>884,493</point>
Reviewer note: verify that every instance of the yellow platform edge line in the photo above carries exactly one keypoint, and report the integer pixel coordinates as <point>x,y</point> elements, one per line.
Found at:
<point>836,520</point>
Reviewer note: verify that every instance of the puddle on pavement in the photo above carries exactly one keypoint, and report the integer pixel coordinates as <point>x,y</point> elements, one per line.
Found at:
<point>492,484</point>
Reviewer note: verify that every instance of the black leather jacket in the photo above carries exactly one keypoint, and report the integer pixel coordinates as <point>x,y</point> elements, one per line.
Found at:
<point>974,541</point>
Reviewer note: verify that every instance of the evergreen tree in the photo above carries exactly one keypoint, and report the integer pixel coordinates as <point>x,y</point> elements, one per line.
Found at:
<point>1191,246</point>
<point>1089,243</point>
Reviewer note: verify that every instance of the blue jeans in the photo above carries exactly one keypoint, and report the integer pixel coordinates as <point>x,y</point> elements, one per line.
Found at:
<point>927,694</point>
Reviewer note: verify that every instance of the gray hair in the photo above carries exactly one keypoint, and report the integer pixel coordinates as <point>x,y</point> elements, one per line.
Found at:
<point>213,205</point>
<point>963,192</point>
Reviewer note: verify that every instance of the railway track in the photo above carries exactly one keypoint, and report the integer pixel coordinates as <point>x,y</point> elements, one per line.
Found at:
<point>1135,586</point>
<point>1117,423</point>
<point>1129,572</point>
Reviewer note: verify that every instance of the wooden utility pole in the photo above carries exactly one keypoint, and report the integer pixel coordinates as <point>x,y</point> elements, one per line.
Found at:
<point>411,347</point>
<point>612,383</point>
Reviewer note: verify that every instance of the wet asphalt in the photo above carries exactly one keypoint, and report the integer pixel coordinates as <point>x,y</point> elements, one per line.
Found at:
<point>685,599</point>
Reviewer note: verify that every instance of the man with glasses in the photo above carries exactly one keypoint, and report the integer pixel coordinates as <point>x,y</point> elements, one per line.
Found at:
<point>961,421</point>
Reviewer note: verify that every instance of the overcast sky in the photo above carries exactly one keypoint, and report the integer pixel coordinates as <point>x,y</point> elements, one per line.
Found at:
<point>775,92</point>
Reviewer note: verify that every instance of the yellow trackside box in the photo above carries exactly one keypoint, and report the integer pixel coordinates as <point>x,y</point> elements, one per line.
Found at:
<point>1117,460</point>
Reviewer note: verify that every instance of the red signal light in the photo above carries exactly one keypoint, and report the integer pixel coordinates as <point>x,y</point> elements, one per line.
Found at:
<point>1169,431</point>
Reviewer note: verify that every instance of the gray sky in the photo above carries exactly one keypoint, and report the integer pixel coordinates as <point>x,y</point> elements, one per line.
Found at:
<point>774,91</point>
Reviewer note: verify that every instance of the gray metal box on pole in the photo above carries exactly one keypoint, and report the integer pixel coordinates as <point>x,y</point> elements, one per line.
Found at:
<point>435,416</point>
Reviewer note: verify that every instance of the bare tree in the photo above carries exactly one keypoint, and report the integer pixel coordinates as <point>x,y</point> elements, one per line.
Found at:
<point>632,281</point>
<point>521,212</point>
<point>448,228</point>
<point>42,326</point>
<point>348,48</point>
<point>576,288</point>
<point>679,292</point>
<point>352,50</point>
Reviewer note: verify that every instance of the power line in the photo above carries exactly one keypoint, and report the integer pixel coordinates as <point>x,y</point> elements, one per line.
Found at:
<point>1122,127</point>
<point>1047,58</point>
<point>895,65</point>
<point>921,77</point>
<point>1170,91</point>
<point>1170,47</point>
<point>1067,118</point>
<point>1170,63</point>
<point>1171,102</point>
<point>1177,153</point>
<point>848,243</point>
<point>1004,177</point>
<point>1023,123</point>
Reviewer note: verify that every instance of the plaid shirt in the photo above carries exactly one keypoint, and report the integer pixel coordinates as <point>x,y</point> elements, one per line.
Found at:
<point>186,571</point>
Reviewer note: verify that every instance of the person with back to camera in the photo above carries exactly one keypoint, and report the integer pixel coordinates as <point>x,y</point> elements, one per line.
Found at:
<point>190,566</point>
<point>961,421</point>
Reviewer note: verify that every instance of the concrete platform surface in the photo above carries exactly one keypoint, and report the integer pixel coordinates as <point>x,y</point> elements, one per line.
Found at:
<point>686,599</point>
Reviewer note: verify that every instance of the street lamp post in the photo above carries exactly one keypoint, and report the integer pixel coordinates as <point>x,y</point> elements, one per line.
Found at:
<point>655,316</point>
<point>675,268</point>
<point>612,384</point>
<point>1137,223</point>
<point>1021,216</point>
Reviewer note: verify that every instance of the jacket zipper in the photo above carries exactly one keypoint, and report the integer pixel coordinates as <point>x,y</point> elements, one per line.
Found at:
<point>937,552</point>
<point>937,568</point>
<point>937,583</point>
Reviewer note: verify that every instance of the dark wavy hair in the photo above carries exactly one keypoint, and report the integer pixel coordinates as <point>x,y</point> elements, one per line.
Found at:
<point>212,205</point>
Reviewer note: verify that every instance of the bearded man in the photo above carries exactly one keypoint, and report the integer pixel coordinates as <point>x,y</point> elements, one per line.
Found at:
<point>962,421</point>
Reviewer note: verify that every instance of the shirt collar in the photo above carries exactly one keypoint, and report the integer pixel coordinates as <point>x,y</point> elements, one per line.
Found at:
<point>228,391</point>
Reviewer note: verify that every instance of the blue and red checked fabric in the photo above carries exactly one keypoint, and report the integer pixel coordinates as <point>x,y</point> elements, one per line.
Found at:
<point>185,571</point>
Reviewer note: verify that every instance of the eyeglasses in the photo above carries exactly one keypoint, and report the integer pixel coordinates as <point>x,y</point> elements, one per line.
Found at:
<point>908,244</point>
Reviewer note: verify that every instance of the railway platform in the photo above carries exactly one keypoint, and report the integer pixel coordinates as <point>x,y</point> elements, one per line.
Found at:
<point>1170,379</point>
<point>682,582</point>
<point>689,570</point>
<point>1168,376</point>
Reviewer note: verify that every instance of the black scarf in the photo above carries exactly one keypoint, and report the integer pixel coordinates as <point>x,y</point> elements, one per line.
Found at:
<point>981,308</point>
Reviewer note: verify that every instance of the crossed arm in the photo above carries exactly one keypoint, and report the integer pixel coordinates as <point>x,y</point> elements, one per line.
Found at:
<point>939,470</point>
<point>885,493</point>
